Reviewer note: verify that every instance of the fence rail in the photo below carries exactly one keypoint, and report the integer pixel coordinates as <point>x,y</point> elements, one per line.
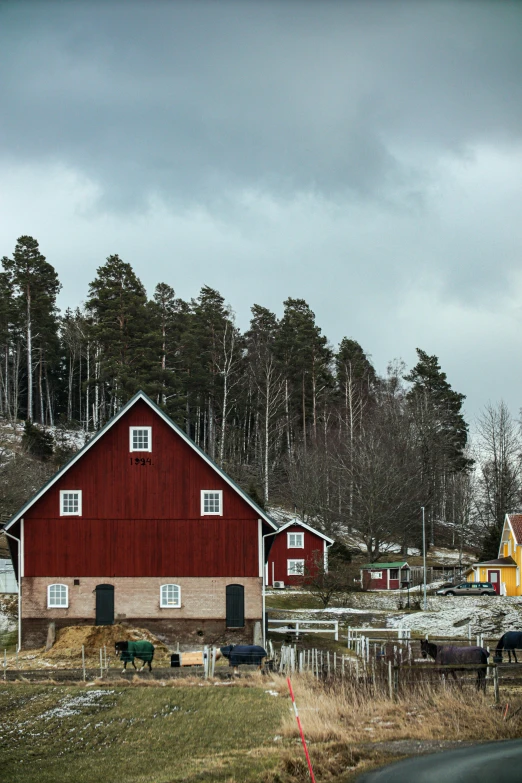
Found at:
<point>303,626</point>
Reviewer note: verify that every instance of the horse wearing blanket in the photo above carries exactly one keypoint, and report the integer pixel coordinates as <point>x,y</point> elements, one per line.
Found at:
<point>448,655</point>
<point>238,654</point>
<point>142,650</point>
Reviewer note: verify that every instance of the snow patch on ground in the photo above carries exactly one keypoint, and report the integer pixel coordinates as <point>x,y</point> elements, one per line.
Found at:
<point>450,617</point>
<point>73,705</point>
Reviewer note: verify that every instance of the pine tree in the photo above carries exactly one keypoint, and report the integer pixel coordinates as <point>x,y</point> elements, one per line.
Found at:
<point>127,338</point>
<point>268,383</point>
<point>442,431</point>
<point>34,283</point>
<point>306,358</point>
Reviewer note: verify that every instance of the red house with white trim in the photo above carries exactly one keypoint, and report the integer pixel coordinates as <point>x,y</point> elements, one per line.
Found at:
<point>295,546</point>
<point>141,527</point>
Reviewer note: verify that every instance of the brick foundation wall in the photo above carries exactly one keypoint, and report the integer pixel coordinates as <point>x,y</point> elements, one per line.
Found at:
<point>188,633</point>
<point>200,619</point>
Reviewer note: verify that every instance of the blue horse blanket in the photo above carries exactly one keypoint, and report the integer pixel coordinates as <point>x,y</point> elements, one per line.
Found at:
<point>244,653</point>
<point>142,650</point>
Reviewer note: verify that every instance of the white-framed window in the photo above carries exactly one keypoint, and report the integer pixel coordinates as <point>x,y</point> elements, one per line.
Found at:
<point>170,597</point>
<point>57,597</point>
<point>295,567</point>
<point>140,438</point>
<point>211,502</point>
<point>295,540</point>
<point>376,574</point>
<point>70,502</point>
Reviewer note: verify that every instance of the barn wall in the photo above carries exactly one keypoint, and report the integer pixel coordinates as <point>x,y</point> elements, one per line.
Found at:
<point>280,553</point>
<point>141,519</point>
<point>92,547</point>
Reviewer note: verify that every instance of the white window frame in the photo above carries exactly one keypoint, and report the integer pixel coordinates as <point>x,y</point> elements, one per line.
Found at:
<point>64,492</point>
<point>290,567</point>
<point>295,546</point>
<point>60,605</point>
<point>375,574</point>
<point>164,598</point>
<point>132,430</point>
<point>218,492</point>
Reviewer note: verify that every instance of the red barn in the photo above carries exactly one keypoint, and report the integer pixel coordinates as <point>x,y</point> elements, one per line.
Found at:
<point>295,547</point>
<point>141,527</point>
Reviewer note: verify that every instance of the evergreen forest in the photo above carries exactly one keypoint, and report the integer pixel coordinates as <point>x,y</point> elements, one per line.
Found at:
<point>298,423</point>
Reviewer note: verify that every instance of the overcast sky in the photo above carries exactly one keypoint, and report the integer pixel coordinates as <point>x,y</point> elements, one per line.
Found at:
<point>364,156</point>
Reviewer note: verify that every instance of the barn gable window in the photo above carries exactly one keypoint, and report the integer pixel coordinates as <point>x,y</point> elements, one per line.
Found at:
<point>295,567</point>
<point>57,596</point>
<point>140,438</point>
<point>295,540</point>
<point>211,502</point>
<point>170,597</point>
<point>70,503</point>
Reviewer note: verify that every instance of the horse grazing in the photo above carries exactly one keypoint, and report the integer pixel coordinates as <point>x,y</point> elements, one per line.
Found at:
<point>447,655</point>
<point>128,651</point>
<point>511,642</point>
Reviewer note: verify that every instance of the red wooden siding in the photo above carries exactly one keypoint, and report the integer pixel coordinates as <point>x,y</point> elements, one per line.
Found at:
<point>141,520</point>
<point>280,554</point>
<point>379,584</point>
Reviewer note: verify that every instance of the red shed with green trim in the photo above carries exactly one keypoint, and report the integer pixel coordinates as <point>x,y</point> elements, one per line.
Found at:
<point>385,576</point>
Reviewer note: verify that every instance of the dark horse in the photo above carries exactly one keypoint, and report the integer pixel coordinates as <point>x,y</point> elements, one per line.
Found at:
<point>511,641</point>
<point>447,655</point>
<point>128,651</point>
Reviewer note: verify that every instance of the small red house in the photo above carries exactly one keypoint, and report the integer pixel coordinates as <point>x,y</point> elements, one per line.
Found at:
<point>295,547</point>
<point>385,576</point>
<point>141,527</point>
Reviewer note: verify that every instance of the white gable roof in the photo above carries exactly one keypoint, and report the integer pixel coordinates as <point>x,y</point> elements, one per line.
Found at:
<point>140,396</point>
<point>297,521</point>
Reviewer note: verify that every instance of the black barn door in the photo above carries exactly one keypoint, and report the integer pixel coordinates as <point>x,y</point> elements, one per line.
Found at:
<point>235,606</point>
<point>104,604</point>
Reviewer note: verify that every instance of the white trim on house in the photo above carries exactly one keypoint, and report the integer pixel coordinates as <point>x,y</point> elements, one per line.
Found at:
<point>205,496</point>
<point>78,493</point>
<point>165,600</point>
<point>298,522</point>
<point>64,591</point>
<point>135,429</point>
<point>290,566</point>
<point>141,396</point>
<point>21,567</point>
<point>298,537</point>
<point>260,547</point>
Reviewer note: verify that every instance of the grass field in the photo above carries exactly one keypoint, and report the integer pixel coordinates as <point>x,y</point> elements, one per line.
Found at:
<point>235,732</point>
<point>138,734</point>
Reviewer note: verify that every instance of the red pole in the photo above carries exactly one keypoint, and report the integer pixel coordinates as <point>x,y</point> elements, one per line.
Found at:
<point>301,731</point>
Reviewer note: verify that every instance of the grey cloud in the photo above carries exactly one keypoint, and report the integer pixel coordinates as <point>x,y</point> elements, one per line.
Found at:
<point>191,99</point>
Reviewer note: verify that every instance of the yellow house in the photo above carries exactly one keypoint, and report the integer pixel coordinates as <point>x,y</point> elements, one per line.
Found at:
<point>504,572</point>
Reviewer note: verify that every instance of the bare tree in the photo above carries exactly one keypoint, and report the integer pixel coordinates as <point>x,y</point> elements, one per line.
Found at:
<point>498,481</point>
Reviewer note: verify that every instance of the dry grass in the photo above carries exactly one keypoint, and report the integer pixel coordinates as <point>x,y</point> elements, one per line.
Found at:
<point>354,713</point>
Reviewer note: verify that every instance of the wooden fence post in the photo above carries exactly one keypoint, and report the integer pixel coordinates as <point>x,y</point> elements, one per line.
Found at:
<point>496,688</point>
<point>390,680</point>
<point>83,662</point>
<point>101,663</point>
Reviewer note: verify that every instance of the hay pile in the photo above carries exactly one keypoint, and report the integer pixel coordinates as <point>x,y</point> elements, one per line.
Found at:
<point>69,640</point>
<point>66,652</point>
